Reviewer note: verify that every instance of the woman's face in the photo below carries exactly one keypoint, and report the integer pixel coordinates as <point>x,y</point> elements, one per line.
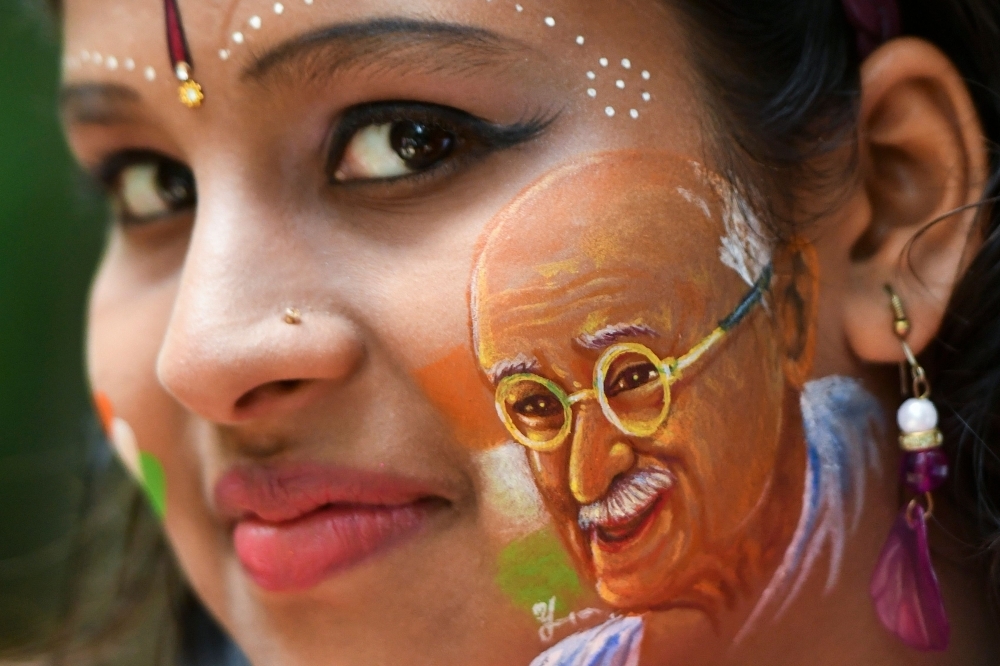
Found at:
<point>295,351</point>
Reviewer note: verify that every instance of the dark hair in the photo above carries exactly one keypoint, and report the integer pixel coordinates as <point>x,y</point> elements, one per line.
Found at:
<point>782,78</point>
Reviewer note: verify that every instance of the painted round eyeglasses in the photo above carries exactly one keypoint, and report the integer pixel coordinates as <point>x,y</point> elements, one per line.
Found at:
<point>632,384</point>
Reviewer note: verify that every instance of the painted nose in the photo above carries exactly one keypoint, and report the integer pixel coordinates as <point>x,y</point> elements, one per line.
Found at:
<point>598,455</point>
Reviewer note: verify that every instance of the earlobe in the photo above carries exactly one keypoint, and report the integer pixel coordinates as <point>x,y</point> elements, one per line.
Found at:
<point>796,292</point>
<point>923,166</point>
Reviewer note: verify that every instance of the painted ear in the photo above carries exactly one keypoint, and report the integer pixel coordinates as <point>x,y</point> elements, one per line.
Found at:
<point>922,166</point>
<point>796,295</point>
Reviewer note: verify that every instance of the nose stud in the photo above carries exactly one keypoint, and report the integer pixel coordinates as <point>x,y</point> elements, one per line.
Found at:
<point>293,316</point>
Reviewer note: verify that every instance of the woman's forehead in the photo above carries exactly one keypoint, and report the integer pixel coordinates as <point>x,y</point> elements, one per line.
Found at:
<point>594,48</point>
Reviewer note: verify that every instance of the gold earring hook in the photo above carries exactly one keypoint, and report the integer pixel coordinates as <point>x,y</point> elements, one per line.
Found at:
<point>902,326</point>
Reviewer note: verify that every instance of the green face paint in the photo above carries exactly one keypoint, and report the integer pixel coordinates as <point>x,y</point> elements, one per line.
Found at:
<point>536,568</point>
<point>154,483</point>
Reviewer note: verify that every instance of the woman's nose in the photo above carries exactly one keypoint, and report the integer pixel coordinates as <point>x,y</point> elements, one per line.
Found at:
<point>598,455</point>
<point>254,330</point>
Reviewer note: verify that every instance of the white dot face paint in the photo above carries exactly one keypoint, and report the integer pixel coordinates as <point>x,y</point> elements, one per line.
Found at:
<point>634,113</point>
<point>112,63</point>
<point>150,74</point>
<point>129,64</point>
<point>255,22</point>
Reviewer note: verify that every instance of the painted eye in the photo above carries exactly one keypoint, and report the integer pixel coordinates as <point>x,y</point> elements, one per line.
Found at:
<point>145,187</point>
<point>632,376</point>
<point>391,150</point>
<point>540,405</point>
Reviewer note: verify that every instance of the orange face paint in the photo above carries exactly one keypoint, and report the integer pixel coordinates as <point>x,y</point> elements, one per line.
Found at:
<point>455,386</point>
<point>102,403</point>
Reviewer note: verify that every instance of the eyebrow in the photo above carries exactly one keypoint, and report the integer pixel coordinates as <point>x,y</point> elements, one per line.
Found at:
<point>520,365</point>
<point>609,335</point>
<point>97,103</point>
<point>387,42</point>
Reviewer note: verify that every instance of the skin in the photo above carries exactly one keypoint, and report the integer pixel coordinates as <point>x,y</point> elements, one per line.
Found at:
<point>186,334</point>
<point>564,261</point>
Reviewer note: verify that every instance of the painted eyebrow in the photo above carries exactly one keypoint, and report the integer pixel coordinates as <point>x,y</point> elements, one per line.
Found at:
<point>97,103</point>
<point>514,366</point>
<point>386,42</point>
<point>609,335</point>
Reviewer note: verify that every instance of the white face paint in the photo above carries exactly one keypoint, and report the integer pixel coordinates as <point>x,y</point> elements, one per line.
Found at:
<point>511,501</point>
<point>124,442</point>
<point>843,424</point>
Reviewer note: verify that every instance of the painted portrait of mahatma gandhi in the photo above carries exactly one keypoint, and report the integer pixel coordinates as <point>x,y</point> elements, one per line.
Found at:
<point>648,377</point>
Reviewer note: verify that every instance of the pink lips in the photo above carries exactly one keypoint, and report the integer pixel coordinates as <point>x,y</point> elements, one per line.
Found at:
<point>297,525</point>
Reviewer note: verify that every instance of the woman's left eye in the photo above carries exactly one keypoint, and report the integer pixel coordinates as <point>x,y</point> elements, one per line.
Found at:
<point>391,150</point>
<point>394,140</point>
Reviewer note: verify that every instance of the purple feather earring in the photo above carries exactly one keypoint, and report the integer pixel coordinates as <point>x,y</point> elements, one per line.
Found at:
<point>904,587</point>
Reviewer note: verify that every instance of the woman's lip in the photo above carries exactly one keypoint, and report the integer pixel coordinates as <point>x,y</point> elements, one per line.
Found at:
<point>277,494</point>
<point>295,525</point>
<point>300,554</point>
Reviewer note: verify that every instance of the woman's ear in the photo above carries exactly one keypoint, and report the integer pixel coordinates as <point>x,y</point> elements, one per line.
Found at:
<point>912,220</point>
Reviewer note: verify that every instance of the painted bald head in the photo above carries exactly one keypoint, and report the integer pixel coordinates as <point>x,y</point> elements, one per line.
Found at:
<point>629,248</point>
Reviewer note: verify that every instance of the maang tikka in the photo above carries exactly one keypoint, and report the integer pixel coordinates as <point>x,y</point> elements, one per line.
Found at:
<point>190,92</point>
<point>904,587</point>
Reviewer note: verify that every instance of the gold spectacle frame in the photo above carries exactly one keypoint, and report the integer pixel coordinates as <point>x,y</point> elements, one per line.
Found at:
<point>632,384</point>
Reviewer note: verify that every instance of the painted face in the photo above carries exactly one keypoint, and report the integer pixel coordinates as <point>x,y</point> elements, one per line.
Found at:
<point>604,282</point>
<point>282,320</point>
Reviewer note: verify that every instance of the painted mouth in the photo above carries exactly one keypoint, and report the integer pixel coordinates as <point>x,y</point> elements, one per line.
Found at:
<point>632,503</point>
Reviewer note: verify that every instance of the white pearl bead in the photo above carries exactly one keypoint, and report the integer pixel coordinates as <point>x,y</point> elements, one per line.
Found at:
<point>917,415</point>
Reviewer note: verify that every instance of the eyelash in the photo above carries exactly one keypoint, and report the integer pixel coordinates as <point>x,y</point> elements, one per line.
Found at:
<point>476,138</point>
<point>109,173</point>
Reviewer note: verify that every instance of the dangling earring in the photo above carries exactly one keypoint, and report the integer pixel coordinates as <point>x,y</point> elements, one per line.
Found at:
<point>904,587</point>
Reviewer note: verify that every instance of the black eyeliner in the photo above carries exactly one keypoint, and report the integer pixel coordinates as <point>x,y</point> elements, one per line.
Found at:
<point>474,135</point>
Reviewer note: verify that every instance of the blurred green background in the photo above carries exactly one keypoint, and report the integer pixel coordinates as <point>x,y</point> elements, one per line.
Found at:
<point>51,232</point>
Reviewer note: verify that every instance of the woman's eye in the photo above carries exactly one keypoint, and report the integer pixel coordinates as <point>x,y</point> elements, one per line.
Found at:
<point>392,140</point>
<point>391,150</point>
<point>147,187</point>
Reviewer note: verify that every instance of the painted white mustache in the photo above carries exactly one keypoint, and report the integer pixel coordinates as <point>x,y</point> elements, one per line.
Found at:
<point>628,498</point>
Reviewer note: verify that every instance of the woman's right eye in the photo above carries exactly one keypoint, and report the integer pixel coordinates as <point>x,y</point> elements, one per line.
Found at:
<point>145,187</point>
